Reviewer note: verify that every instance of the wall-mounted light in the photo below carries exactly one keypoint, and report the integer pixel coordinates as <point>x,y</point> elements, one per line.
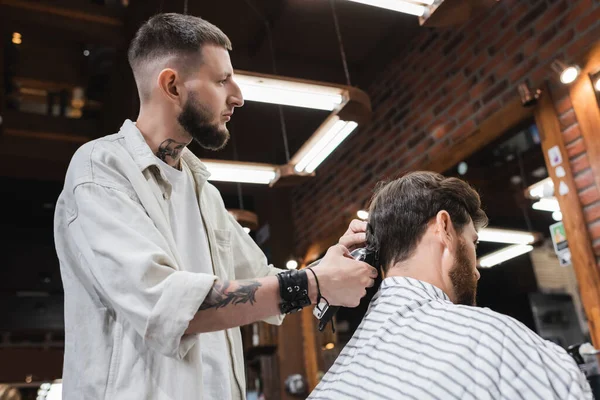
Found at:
<point>568,73</point>
<point>291,264</point>
<point>17,38</point>
<point>528,96</point>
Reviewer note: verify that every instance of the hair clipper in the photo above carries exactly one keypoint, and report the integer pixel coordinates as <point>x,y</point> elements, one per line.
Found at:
<point>325,312</point>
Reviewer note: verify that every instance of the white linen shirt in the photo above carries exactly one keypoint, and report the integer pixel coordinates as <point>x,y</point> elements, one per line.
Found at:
<point>128,296</point>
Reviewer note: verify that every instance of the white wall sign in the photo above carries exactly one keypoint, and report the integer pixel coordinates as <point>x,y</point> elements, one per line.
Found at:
<point>554,156</point>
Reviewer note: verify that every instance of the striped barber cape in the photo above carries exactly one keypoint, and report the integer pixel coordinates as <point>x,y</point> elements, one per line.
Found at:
<point>414,343</point>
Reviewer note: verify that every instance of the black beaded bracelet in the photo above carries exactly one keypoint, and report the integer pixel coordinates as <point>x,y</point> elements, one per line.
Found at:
<point>293,289</point>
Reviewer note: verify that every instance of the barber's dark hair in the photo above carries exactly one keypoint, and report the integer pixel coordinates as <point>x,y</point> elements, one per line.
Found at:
<point>401,209</point>
<point>173,34</point>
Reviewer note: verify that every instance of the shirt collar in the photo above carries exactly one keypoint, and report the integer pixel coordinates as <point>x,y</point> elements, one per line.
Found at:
<point>144,158</point>
<point>411,288</point>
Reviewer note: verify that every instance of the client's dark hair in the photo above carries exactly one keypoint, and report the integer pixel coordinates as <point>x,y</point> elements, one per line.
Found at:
<point>401,209</point>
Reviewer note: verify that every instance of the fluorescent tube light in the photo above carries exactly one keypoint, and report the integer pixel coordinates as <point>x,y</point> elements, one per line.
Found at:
<point>407,7</point>
<point>546,204</point>
<point>505,236</point>
<point>541,189</point>
<point>226,171</point>
<point>503,255</point>
<point>289,92</point>
<point>327,138</point>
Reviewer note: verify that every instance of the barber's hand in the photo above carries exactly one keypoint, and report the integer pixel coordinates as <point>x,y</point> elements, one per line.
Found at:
<point>355,236</point>
<point>343,280</point>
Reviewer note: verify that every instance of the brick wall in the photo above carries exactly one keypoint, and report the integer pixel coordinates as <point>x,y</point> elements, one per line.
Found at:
<point>438,90</point>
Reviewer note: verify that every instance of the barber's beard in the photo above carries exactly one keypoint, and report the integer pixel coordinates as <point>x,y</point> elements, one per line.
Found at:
<point>463,277</point>
<point>195,119</point>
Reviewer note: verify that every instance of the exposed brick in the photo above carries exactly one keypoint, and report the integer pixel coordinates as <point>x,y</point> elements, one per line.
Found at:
<point>582,43</point>
<point>452,45</point>
<point>563,105</point>
<point>440,87</point>
<point>575,148</point>
<point>495,92</point>
<point>592,212</point>
<point>572,133</point>
<point>481,87</point>
<point>588,20</point>
<point>594,230</point>
<point>580,163</point>
<point>577,10</point>
<point>589,196</point>
<point>567,119</point>
<point>584,179</point>
<point>531,16</point>
<point>552,48</point>
<point>551,15</point>
<point>465,130</point>
<point>442,129</point>
<point>523,69</point>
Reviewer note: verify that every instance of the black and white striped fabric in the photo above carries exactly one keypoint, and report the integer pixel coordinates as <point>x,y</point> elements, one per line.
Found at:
<point>414,343</point>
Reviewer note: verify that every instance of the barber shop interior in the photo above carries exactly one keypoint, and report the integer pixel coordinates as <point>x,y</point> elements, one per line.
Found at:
<point>386,199</point>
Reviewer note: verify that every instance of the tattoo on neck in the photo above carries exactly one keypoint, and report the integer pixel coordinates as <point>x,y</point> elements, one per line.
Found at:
<point>221,295</point>
<point>169,148</point>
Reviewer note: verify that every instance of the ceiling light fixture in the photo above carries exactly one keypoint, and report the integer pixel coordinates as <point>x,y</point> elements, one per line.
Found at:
<point>497,235</point>
<point>503,255</point>
<point>289,92</point>
<point>543,188</point>
<point>324,141</point>
<point>349,107</point>
<point>412,7</point>
<point>234,171</point>
<point>546,204</point>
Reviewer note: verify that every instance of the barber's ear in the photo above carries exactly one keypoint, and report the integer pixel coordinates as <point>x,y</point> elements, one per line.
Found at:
<point>444,227</point>
<point>168,80</point>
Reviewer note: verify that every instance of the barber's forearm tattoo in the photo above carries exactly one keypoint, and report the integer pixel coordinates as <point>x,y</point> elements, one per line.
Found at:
<point>221,295</point>
<point>169,148</point>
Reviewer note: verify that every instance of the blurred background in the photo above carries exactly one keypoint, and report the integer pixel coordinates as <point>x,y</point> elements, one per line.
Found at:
<point>475,89</point>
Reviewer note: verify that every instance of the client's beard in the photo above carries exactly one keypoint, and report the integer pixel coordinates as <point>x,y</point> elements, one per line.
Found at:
<point>462,277</point>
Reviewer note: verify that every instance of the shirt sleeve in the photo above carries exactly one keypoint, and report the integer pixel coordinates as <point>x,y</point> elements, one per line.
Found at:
<point>250,262</point>
<point>128,263</point>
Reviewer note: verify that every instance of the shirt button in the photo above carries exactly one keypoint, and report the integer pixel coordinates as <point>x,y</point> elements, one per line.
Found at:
<point>165,196</point>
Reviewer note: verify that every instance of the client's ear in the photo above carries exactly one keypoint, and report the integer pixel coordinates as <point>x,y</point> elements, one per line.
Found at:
<point>444,227</point>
